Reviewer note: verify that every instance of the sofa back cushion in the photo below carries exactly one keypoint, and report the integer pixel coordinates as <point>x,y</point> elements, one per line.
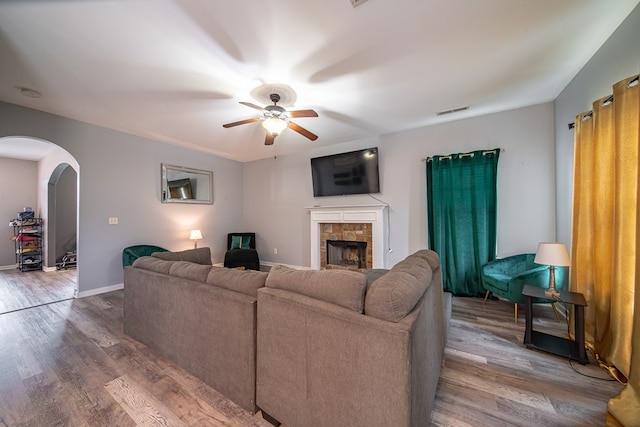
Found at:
<point>340,287</point>
<point>199,256</point>
<point>244,281</point>
<point>154,264</point>
<point>190,270</point>
<point>374,274</point>
<point>396,293</point>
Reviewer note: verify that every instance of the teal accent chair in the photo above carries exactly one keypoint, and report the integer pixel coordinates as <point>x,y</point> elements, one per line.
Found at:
<point>132,253</point>
<point>505,277</point>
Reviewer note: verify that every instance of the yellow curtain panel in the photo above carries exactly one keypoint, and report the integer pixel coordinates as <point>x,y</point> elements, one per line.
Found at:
<point>604,238</point>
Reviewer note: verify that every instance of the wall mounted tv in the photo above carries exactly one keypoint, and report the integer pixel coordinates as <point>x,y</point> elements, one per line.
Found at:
<point>355,172</point>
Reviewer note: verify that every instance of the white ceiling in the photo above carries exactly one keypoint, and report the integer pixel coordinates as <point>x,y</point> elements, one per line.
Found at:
<point>175,70</point>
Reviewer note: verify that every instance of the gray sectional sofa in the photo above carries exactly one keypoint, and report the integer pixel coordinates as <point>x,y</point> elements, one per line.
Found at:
<point>309,348</point>
<point>335,350</point>
<point>200,317</point>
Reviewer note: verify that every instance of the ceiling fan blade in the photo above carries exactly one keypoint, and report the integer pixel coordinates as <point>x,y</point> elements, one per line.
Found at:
<point>302,113</point>
<point>248,104</point>
<point>241,122</point>
<point>302,131</point>
<point>269,139</point>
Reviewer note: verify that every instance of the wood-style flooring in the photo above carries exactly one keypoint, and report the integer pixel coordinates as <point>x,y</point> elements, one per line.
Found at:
<point>70,364</point>
<point>20,290</point>
<point>491,379</point>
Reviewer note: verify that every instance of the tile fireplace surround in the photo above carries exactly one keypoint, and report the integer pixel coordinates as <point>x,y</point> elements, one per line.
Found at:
<point>376,215</point>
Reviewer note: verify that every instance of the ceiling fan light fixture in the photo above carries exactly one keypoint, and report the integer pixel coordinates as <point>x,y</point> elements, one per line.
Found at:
<point>274,126</point>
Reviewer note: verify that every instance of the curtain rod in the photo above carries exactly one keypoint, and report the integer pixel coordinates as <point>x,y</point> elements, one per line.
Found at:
<point>633,82</point>
<point>589,114</point>
<point>484,153</point>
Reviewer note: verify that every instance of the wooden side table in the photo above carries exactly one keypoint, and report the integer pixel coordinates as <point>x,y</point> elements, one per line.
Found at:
<point>550,343</point>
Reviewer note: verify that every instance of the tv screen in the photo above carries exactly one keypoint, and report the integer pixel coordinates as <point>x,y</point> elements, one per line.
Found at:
<point>180,189</point>
<point>355,172</point>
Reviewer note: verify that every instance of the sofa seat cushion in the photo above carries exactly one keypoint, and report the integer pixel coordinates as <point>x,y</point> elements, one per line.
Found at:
<point>396,293</point>
<point>154,264</point>
<point>340,287</point>
<point>190,270</point>
<point>244,281</point>
<point>198,256</point>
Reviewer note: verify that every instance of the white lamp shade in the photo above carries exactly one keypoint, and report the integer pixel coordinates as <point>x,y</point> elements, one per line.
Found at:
<point>195,235</point>
<point>274,126</point>
<point>552,254</point>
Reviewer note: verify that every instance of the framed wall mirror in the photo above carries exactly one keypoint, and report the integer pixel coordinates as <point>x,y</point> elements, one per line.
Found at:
<point>186,185</point>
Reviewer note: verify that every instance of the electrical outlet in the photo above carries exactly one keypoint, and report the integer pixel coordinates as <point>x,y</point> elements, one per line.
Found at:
<point>275,251</point>
<point>113,220</point>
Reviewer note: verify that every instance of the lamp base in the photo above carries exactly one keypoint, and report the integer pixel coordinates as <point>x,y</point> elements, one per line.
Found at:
<point>552,294</point>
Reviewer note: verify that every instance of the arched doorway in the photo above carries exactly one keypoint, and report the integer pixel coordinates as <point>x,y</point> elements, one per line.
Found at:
<point>63,221</point>
<point>55,199</point>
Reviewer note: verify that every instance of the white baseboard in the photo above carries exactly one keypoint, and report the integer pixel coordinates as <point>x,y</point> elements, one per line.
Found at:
<point>99,291</point>
<point>8,267</point>
<point>297,267</point>
<point>48,269</point>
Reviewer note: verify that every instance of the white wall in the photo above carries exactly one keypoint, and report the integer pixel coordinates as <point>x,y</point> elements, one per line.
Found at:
<point>18,179</point>
<point>278,191</point>
<point>119,176</point>
<point>617,59</point>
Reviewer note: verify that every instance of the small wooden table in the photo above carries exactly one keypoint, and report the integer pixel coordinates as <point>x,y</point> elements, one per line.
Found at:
<point>550,343</point>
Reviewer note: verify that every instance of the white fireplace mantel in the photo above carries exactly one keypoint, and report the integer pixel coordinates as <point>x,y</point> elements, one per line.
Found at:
<point>376,215</point>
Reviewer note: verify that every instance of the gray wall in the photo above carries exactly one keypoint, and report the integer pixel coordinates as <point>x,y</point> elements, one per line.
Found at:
<point>18,188</point>
<point>119,176</point>
<point>278,191</point>
<point>617,59</point>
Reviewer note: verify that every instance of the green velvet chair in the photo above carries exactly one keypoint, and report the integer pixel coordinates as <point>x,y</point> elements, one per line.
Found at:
<point>505,277</point>
<point>131,253</point>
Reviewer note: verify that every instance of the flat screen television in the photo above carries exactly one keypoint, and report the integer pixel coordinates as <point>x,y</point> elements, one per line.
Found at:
<point>355,172</point>
<point>180,189</point>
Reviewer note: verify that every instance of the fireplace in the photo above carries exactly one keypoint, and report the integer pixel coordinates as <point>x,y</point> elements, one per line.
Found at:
<point>347,253</point>
<point>363,223</point>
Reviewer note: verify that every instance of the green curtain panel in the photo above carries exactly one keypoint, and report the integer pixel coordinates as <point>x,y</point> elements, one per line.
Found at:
<point>462,199</point>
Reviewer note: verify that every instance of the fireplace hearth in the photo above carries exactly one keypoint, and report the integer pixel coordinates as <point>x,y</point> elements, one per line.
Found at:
<point>347,253</point>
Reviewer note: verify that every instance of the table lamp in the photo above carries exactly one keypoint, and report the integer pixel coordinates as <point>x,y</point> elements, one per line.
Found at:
<point>552,254</point>
<point>195,235</point>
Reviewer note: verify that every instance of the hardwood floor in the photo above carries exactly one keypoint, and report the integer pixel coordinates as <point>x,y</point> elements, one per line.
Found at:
<point>70,364</point>
<point>491,379</point>
<point>20,290</point>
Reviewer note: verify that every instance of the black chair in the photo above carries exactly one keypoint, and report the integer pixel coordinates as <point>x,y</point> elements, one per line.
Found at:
<point>241,251</point>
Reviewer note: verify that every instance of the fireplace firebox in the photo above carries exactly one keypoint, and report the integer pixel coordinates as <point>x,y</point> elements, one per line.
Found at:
<point>347,253</point>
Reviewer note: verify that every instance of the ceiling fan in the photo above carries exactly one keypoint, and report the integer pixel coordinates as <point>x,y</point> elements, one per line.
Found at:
<point>276,119</point>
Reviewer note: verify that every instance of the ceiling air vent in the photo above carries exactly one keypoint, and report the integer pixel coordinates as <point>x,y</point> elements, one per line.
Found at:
<point>355,3</point>
<point>453,110</point>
